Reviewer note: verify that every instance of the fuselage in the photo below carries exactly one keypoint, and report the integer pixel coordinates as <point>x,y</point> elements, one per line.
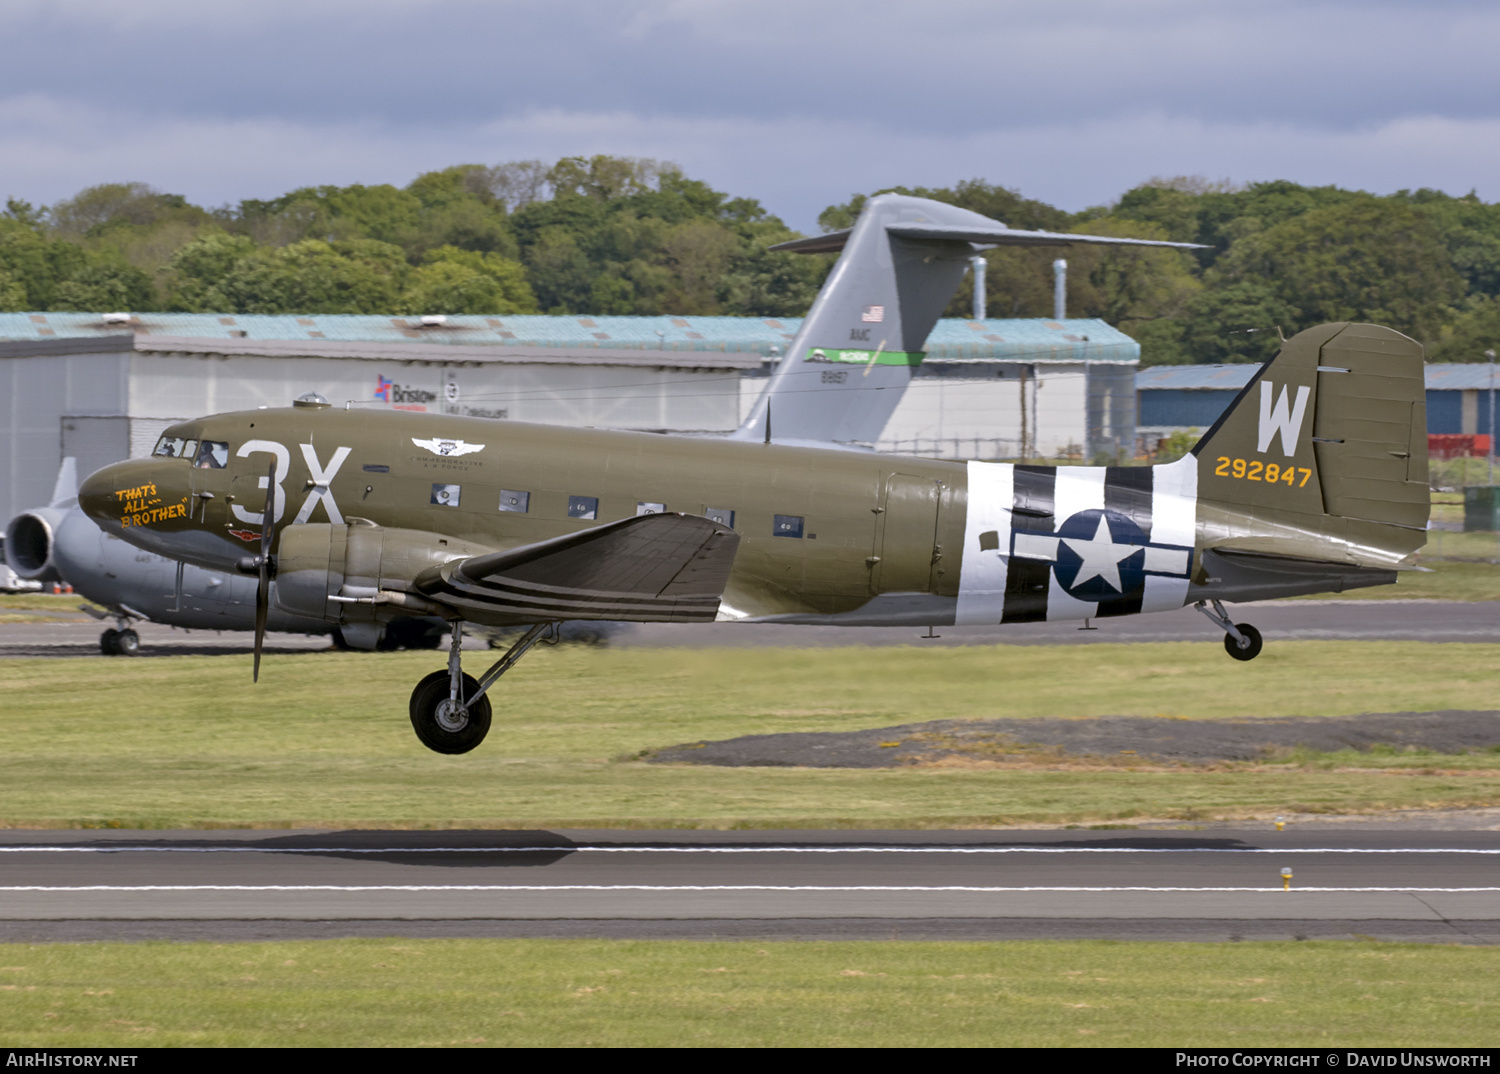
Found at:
<point>826,535</point>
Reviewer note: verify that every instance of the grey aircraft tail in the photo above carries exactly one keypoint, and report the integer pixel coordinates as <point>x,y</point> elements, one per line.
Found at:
<point>65,488</point>
<point>901,263</point>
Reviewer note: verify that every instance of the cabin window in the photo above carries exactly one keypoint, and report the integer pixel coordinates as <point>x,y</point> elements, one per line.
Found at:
<point>511,500</point>
<point>445,495</point>
<point>212,455</point>
<point>175,447</point>
<point>583,507</point>
<point>722,515</point>
<point>787,526</point>
<point>650,508</point>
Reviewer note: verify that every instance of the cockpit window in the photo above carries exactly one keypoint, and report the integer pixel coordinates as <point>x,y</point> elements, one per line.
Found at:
<point>212,455</point>
<point>175,447</point>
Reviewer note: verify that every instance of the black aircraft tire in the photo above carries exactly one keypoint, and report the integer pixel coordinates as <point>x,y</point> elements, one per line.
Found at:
<point>1251,651</point>
<point>426,720</point>
<point>108,643</point>
<point>127,643</point>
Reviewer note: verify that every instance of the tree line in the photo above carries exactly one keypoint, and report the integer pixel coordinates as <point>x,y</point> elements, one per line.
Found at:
<point>610,235</point>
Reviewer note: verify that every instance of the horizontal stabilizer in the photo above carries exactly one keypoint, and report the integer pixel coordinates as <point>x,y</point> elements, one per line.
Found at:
<point>980,236</point>
<point>652,568</point>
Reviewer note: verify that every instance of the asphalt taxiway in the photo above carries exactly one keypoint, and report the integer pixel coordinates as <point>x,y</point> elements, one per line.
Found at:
<point>1283,621</point>
<point>1218,885</point>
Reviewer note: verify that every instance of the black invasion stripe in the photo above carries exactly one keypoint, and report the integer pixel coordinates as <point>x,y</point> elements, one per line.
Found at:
<point>588,611</point>
<point>579,599</point>
<point>1127,489</point>
<point>1027,580</point>
<point>503,584</point>
<point>664,613</point>
<point>622,611</point>
<point>507,594</point>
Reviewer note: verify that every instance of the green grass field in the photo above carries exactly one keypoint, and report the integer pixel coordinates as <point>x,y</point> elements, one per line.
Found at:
<point>324,739</point>
<point>574,993</point>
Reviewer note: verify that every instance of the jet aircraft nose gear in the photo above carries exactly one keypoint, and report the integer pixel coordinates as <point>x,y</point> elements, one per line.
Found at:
<point>1241,640</point>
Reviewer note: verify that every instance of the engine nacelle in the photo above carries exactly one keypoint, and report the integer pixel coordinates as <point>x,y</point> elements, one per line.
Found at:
<point>29,541</point>
<point>357,573</point>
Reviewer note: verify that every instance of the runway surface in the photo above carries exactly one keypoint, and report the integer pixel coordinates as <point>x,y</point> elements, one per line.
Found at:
<point>1369,620</point>
<point>1220,885</point>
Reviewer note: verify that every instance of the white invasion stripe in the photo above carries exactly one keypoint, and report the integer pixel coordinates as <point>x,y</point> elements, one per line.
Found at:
<point>708,887</point>
<point>1174,520</point>
<point>1061,605</point>
<point>1078,488</point>
<point>583,848</point>
<point>981,579</point>
<point>1036,546</point>
<point>1171,560</point>
<point>1174,502</point>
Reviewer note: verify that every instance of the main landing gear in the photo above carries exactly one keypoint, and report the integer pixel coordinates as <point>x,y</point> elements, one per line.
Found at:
<point>1241,640</point>
<point>125,642</point>
<point>449,710</point>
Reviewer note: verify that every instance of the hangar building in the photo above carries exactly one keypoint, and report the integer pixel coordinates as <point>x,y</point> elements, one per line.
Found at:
<point>1180,397</point>
<point>101,387</point>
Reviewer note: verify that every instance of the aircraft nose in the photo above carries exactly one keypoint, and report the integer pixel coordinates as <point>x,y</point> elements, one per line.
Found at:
<point>133,493</point>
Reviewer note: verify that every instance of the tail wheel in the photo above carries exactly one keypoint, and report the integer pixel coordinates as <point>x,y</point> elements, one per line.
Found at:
<point>1247,652</point>
<point>442,725</point>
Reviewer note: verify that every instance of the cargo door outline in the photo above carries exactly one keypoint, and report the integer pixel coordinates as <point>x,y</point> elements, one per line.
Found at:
<point>906,535</point>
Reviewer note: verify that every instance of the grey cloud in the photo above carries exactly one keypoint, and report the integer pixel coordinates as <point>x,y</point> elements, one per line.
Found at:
<point>956,66</point>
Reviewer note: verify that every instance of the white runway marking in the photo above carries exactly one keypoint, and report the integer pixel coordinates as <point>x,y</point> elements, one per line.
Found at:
<point>733,850</point>
<point>697,887</point>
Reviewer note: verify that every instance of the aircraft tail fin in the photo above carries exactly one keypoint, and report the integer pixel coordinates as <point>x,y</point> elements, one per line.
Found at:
<point>1329,439</point>
<point>901,263</point>
<point>65,488</point>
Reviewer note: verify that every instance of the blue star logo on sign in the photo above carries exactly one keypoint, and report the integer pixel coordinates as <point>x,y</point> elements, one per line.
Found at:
<point>1101,556</point>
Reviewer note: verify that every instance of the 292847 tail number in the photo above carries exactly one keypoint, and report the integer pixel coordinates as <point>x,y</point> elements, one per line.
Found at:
<point>1255,470</point>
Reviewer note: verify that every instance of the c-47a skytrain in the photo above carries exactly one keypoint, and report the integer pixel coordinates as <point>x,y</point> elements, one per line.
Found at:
<point>1313,481</point>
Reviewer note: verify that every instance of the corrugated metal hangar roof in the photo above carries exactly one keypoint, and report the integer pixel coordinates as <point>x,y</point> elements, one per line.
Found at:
<point>1441,376</point>
<point>1031,340</point>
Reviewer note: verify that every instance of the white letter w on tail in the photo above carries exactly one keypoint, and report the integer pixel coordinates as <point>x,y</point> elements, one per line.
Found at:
<point>1278,420</point>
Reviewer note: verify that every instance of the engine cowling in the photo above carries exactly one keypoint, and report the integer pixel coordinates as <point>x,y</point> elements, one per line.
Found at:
<point>29,542</point>
<point>359,572</point>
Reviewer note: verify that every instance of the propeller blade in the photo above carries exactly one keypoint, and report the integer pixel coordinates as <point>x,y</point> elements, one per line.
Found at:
<point>262,606</point>
<point>263,584</point>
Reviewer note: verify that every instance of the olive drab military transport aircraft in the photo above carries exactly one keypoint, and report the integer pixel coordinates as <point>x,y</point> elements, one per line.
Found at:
<point>1314,480</point>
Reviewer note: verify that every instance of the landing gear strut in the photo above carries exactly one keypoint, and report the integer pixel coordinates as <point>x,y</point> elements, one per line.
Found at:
<point>449,710</point>
<point>1241,640</point>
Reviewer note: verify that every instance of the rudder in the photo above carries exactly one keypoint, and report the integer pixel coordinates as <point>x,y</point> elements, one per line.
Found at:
<point>1336,426</point>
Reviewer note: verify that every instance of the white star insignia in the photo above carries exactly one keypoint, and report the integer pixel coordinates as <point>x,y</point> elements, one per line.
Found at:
<point>1101,557</point>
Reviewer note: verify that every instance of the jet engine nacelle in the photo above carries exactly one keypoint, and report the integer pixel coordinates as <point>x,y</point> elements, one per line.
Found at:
<point>29,542</point>
<point>359,573</point>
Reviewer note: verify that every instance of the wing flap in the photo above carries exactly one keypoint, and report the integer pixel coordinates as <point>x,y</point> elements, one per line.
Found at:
<point>653,568</point>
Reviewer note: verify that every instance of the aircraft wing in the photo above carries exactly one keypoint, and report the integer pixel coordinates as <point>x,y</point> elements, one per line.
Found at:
<point>664,568</point>
<point>980,236</point>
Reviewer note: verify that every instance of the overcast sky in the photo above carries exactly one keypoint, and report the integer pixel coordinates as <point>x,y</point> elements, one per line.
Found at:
<point>796,102</point>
